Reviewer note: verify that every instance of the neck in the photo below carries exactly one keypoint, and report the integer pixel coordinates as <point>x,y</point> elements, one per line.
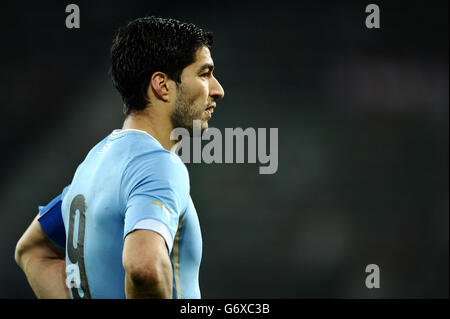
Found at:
<point>158,127</point>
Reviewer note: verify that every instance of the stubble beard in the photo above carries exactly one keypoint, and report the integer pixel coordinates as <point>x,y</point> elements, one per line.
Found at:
<point>185,112</point>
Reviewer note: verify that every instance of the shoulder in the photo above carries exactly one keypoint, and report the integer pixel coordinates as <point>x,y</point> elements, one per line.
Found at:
<point>148,161</point>
<point>156,161</point>
<point>160,165</point>
<point>159,174</point>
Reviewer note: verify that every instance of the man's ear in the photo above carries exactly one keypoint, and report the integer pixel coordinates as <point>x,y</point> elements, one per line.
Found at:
<point>160,86</point>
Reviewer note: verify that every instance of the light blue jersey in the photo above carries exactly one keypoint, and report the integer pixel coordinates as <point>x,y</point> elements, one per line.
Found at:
<point>128,181</point>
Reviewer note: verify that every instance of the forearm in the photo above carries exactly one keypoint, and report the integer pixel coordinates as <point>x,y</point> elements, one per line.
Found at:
<point>47,277</point>
<point>43,264</point>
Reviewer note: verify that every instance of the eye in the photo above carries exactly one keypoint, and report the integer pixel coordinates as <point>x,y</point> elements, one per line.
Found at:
<point>205,74</point>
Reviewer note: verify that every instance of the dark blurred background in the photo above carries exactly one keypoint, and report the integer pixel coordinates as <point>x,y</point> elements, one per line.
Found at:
<point>363,139</point>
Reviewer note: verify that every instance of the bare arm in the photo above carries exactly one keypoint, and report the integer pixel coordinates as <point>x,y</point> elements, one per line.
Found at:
<point>148,270</point>
<point>43,264</point>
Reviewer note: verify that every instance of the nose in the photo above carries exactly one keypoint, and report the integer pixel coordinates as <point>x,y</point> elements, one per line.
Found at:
<point>216,90</point>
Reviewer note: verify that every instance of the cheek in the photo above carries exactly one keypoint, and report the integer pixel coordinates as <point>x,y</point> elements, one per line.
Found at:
<point>202,89</point>
<point>196,99</point>
<point>200,100</point>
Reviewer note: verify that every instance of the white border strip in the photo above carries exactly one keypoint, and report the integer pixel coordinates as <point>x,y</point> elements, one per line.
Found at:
<point>158,227</point>
<point>118,132</point>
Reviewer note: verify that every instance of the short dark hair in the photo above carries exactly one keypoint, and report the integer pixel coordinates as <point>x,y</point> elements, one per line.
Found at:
<point>147,45</point>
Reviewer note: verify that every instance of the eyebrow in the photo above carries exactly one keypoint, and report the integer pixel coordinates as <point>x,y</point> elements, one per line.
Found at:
<point>207,66</point>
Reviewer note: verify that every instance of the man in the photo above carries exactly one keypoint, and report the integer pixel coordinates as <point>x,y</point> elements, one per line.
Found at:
<point>126,226</point>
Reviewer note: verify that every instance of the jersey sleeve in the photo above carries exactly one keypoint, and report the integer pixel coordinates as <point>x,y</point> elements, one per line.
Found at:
<point>50,219</point>
<point>156,186</point>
